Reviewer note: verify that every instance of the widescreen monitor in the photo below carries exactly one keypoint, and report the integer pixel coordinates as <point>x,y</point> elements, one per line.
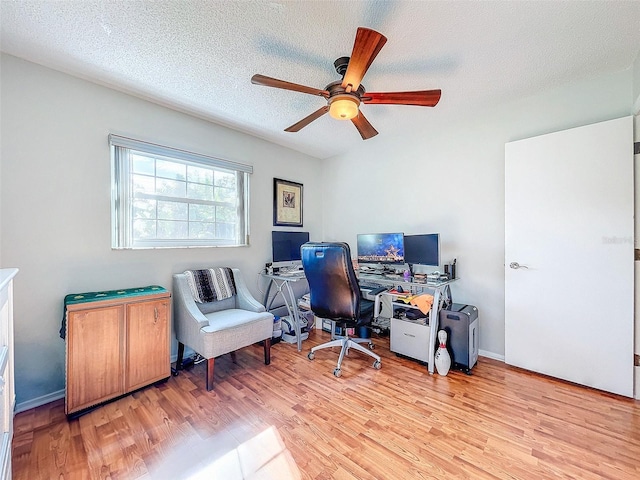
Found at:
<point>285,246</point>
<point>422,249</point>
<point>380,248</point>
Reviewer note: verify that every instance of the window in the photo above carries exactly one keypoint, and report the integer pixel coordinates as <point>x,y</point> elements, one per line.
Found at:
<point>164,197</point>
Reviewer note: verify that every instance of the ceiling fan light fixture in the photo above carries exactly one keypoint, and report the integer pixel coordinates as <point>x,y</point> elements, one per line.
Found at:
<point>344,107</point>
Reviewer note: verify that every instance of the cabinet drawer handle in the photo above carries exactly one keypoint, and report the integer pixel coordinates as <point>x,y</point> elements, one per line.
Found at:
<point>409,335</point>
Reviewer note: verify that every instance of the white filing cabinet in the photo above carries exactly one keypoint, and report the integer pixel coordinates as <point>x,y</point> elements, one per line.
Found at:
<point>7,392</point>
<point>410,338</point>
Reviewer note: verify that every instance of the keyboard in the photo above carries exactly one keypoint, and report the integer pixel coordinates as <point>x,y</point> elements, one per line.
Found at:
<point>378,290</point>
<point>292,273</point>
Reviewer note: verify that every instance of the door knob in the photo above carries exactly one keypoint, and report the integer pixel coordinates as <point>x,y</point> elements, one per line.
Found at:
<point>516,265</point>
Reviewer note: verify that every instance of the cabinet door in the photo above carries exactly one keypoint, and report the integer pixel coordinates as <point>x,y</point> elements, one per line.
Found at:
<point>94,356</point>
<point>6,367</point>
<point>148,355</point>
<point>6,415</point>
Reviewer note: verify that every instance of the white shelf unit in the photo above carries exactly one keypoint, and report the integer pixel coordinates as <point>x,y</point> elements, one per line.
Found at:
<point>7,387</point>
<point>410,338</point>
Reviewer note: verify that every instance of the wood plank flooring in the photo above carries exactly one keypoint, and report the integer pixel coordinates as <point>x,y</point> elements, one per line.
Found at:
<point>294,420</point>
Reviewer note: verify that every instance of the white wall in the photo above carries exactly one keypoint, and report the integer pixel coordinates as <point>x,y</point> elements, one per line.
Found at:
<point>450,179</point>
<point>636,85</point>
<point>55,200</point>
<point>0,166</point>
<point>54,195</point>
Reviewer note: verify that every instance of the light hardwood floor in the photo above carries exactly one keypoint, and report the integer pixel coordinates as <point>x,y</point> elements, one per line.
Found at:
<point>294,419</point>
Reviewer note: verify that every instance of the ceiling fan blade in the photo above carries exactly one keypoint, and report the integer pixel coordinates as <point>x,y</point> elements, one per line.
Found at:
<point>365,48</point>
<point>422,98</point>
<point>307,120</point>
<point>274,82</point>
<point>364,127</point>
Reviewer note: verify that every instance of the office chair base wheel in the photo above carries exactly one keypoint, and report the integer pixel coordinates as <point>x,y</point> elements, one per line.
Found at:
<point>377,365</point>
<point>337,373</point>
<point>371,346</point>
<point>311,355</point>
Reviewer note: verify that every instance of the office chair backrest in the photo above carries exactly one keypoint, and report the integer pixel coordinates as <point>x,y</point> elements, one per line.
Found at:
<point>333,286</point>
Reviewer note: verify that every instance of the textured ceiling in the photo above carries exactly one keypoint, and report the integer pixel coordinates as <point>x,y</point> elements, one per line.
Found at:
<point>199,56</point>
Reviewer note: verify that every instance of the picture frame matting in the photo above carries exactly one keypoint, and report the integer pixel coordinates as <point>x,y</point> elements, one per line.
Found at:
<point>287,203</point>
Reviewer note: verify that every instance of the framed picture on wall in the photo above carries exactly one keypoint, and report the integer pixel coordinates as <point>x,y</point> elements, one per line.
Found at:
<point>287,203</point>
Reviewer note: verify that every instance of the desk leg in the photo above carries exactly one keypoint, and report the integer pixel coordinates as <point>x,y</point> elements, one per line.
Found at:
<point>289,303</point>
<point>266,296</point>
<point>433,329</point>
<point>376,307</point>
<point>293,311</point>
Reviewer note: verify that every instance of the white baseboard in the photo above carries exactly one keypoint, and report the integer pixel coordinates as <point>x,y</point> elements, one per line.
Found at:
<point>52,397</point>
<point>38,402</point>
<point>495,356</point>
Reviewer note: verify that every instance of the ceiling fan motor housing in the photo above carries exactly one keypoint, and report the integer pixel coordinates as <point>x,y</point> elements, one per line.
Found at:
<point>341,65</point>
<point>336,88</point>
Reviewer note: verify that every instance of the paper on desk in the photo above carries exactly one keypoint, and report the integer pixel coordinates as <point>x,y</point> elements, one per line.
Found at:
<point>403,297</point>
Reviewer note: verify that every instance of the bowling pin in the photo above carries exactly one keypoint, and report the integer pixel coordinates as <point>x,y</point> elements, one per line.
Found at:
<point>443,359</point>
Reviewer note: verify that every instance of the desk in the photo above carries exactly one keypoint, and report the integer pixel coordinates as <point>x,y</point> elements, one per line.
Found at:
<point>282,283</point>
<point>412,286</point>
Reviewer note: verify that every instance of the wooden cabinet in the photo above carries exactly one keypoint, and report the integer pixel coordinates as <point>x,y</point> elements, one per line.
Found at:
<point>116,342</point>
<point>7,391</point>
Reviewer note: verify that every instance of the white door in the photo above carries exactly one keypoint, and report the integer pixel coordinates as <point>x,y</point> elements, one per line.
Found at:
<point>569,272</point>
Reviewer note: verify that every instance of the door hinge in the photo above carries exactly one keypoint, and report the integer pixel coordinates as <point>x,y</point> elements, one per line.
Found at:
<point>637,254</point>
<point>636,360</point>
<point>636,148</point>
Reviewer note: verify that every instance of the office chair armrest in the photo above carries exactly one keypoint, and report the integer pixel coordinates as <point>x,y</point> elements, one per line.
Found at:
<point>245,300</point>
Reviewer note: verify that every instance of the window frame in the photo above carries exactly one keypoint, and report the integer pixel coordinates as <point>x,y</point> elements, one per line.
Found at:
<point>122,195</point>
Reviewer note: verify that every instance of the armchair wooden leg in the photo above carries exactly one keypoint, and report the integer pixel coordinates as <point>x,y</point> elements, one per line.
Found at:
<point>180,356</point>
<point>267,351</point>
<point>210,364</point>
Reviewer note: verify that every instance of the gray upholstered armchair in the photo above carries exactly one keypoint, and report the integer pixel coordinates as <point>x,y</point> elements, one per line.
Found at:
<point>213,328</point>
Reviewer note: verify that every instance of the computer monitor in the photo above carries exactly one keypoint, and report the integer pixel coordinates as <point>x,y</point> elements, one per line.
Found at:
<point>422,249</point>
<point>387,248</point>
<point>285,247</point>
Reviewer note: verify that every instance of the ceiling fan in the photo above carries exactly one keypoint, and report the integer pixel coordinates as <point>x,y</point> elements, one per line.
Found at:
<point>345,96</point>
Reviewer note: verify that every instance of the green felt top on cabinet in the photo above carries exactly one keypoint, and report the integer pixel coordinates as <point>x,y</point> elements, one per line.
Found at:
<point>74,298</point>
<point>77,298</point>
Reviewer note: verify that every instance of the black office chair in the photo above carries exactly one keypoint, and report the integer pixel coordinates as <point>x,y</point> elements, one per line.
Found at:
<point>335,295</point>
